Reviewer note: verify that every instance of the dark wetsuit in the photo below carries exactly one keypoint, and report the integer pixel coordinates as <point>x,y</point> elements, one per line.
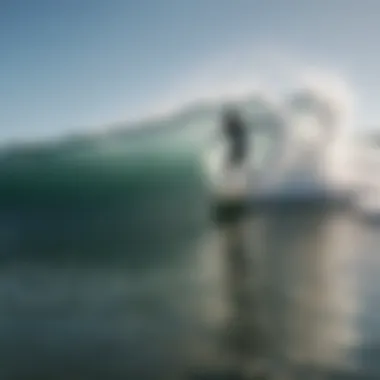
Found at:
<point>236,134</point>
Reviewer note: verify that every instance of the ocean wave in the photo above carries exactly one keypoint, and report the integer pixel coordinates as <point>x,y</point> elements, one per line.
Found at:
<point>160,153</point>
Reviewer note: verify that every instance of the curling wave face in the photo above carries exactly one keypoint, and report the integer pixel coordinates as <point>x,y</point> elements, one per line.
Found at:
<point>299,146</point>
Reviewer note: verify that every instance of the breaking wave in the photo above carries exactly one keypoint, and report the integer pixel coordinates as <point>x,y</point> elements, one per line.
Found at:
<point>300,142</point>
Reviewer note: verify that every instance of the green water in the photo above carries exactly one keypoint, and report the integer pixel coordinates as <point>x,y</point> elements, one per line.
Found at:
<point>113,269</point>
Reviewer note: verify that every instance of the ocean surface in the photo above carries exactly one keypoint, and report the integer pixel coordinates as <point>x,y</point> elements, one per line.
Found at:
<point>112,268</point>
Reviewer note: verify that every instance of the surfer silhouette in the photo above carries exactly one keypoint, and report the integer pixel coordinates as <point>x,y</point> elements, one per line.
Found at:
<point>235,131</point>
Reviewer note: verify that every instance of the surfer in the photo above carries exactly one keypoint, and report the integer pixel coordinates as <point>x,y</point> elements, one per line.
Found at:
<point>235,131</point>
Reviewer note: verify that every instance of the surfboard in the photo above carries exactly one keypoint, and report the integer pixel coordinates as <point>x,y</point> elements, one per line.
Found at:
<point>228,184</point>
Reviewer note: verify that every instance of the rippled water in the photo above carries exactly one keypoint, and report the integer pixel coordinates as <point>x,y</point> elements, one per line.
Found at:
<point>285,291</point>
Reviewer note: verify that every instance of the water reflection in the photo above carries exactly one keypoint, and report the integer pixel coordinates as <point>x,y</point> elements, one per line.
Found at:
<point>246,335</point>
<point>311,291</point>
<point>290,297</point>
<point>283,292</point>
<point>232,300</point>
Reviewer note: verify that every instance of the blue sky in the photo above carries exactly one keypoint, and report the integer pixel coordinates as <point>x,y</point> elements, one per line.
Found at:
<point>72,64</point>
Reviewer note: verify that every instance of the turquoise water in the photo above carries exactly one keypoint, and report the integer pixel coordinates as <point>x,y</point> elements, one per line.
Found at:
<point>112,268</point>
